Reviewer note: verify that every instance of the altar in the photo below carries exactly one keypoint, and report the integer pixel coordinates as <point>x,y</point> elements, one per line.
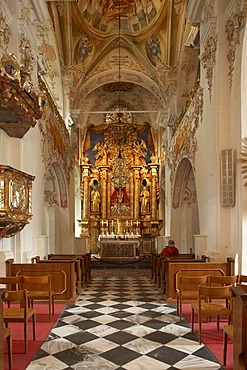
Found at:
<point>118,247</point>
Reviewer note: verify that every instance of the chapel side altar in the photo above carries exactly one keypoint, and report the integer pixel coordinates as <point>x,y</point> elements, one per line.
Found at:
<point>118,246</point>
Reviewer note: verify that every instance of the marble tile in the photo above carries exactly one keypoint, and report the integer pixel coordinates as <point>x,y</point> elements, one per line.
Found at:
<point>196,363</point>
<point>57,345</point>
<point>142,345</point>
<point>146,363</point>
<point>122,323</point>
<point>65,330</point>
<point>47,363</point>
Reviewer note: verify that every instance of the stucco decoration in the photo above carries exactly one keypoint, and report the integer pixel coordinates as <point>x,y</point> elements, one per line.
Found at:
<point>55,141</point>
<point>184,143</point>
<point>168,77</point>
<point>208,60</point>
<point>4,33</point>
<point>47,51</point>
<point>72,78</point>
<point>234,26</point>
<point>26,11</point>
<point>208,11</point>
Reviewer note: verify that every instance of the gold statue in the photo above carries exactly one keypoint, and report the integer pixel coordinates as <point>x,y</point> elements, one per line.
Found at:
<point>95,199</point>
<point>144,199</point>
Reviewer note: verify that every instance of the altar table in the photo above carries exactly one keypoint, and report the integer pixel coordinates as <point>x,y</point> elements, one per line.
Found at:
<point>117,247</point>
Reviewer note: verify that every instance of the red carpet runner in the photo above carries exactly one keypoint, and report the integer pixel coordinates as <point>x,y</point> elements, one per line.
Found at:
<point>43,328</point>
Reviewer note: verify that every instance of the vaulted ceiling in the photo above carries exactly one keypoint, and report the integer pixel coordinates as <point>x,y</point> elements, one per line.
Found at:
<point>123,54</point>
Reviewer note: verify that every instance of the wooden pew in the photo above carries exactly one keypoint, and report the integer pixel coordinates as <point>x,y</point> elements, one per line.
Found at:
<point>239,301</point>
<point>83,270</point>
<point>164,263</point>
<point>78,268</point>
<point>63,277</point>
<point>193,268</point>
<point>157,263</point>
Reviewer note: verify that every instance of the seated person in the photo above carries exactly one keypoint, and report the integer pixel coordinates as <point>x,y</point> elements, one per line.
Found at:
<point>170,250</point>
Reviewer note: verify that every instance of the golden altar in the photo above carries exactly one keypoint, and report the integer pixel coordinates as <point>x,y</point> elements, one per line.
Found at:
<point>118,247</point>
<point>119,186</point>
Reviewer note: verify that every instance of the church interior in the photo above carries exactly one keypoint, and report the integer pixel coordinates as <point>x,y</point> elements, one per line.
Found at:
<point>123,124</point>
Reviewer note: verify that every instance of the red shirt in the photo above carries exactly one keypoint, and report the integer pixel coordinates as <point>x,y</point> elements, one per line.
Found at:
<point>170,251</point>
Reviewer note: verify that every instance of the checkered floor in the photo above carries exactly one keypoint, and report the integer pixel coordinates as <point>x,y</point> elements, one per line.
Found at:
<point>121,323</point>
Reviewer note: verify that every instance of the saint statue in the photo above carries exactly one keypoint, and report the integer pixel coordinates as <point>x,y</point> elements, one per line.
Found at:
<point>144,199</point>
<point>95,199</point>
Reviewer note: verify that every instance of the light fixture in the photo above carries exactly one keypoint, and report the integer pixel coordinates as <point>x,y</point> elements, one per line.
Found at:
<point>119,173</point>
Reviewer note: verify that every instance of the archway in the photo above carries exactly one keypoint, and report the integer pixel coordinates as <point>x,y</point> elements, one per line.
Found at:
<point>184,214</point>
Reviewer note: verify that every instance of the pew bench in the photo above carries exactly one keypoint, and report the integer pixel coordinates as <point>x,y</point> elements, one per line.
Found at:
<point>193,268</point>
<point>84,261</point>
<point>63,276</point>
<point>156,263</point>
<point>163,277</point>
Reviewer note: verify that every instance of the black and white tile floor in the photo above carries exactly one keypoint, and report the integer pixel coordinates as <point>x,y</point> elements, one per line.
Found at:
<point>121,323</point>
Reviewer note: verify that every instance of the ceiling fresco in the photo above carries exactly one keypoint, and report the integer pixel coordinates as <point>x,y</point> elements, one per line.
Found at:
<point>123,54</point>
<point>128,15</point>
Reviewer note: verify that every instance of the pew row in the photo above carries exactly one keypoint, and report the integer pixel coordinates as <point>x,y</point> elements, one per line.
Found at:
<point>156,263</point>
<point>193,268</point>
<point>164,265</point>
<point>84,268</point>
<point>63,276</point>
<point>159,266</point>
<point>77,265</point>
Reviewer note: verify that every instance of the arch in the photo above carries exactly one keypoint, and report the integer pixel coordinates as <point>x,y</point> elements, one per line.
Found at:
<point>184,214</point>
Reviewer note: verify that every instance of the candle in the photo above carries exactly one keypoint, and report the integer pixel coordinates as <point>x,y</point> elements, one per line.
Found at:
<point>127,223</point>
<point>106,222</point>
<point>131,223</point>
<point>102,223</point>
<point>137,222</point>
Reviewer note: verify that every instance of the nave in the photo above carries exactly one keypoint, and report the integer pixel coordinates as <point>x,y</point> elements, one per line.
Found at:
<point>122,323</point>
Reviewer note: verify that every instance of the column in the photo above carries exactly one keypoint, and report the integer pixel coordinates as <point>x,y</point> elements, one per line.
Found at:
<point>85,189</point>
<point>154,183</point>
<point>103,186</point>
<point>136,192</point>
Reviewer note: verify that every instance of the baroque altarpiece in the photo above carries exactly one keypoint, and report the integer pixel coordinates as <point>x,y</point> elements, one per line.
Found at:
<point>119,180</point>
